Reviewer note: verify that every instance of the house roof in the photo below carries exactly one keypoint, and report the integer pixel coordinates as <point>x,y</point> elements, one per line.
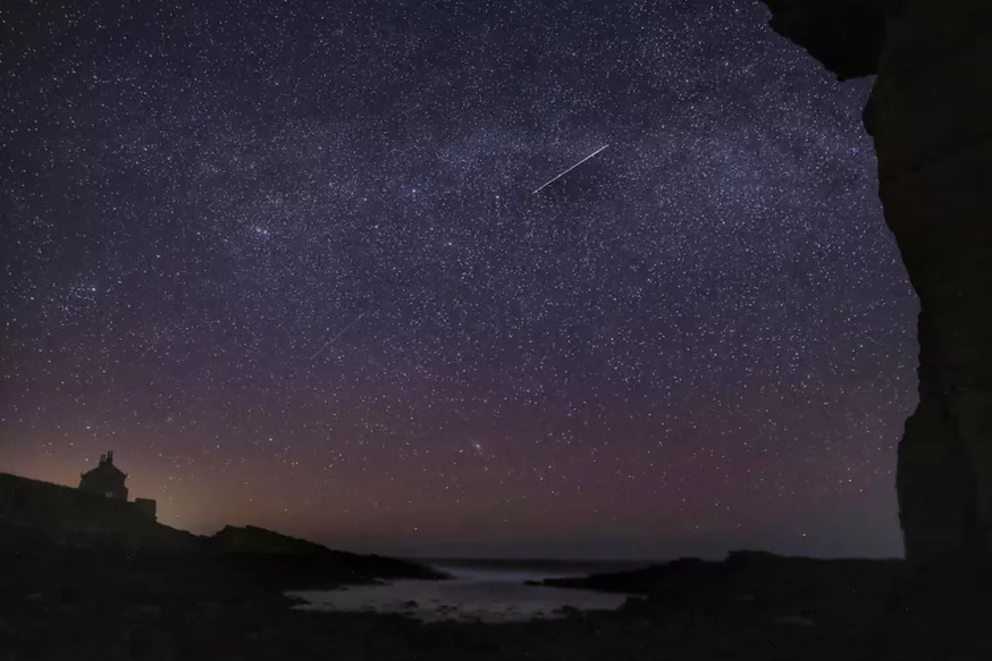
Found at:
<point>106,469</point>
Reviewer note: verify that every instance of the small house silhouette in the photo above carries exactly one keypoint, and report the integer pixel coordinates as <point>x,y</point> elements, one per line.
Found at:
<point>106,479</point>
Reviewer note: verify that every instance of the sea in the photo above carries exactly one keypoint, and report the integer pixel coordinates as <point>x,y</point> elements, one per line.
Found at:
<point>479,591</point>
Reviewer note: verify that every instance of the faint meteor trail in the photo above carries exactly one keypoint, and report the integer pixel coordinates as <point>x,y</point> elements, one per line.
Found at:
<point>338,334</point>
<point>569,169</point>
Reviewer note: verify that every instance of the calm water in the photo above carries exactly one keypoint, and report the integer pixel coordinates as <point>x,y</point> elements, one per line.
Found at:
<point>478,592</point>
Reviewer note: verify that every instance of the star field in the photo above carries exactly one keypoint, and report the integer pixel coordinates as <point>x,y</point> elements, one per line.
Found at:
<point>284,259</point>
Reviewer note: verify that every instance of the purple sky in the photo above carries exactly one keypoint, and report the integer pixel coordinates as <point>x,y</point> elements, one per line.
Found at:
<point>284,259</point>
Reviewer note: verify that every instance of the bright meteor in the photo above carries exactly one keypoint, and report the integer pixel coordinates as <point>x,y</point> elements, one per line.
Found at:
<point>569,169</point>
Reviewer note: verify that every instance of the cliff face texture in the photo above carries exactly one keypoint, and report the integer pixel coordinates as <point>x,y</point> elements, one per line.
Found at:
<point>930,115</point>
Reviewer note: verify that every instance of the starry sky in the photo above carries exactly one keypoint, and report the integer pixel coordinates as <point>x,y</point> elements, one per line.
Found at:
<point>284,258</point>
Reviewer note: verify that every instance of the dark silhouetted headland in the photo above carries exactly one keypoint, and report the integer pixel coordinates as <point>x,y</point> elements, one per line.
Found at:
<point>129,587</point>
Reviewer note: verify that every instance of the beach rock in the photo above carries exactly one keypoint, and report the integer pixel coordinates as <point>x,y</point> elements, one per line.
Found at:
<point>797,620</point>
<point>755,585</point>
<point>633,605</point>
<point>641,625</point>
<point>638,581</point>
<point>568,611</point>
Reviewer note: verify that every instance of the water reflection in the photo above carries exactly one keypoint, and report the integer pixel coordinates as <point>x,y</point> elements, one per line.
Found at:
<point>482,594</point>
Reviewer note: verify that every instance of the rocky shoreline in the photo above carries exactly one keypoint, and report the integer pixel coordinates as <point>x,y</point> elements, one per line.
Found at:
<point>106,602</point>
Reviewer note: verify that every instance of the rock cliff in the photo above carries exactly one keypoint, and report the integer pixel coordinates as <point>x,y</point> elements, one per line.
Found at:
<point>930,116</point>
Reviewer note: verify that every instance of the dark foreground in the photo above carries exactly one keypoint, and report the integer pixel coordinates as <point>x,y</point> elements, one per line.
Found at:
<point>113,603</point>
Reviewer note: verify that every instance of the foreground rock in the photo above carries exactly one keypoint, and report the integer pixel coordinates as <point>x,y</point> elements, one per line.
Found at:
<point>930,116</point>
<point>80,604</point>
<point>67,566</point>
<point>288,563</point>
<point>54,537</point>
<point>854,608</point>
<point>798,590</point>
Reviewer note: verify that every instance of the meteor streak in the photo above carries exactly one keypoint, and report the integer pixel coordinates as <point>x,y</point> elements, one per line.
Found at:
<point>338,334</point>
<point>569,169</point>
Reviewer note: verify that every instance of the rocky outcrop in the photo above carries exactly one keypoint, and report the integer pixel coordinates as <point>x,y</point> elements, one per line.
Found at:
<point>81,519</point>
<point>252,539</point>
<point>292,563</point>
<point>845,35</point>
<point>789,586</point>
<point>930,116</point>
<point>59,543</point>
<point>860,609</point>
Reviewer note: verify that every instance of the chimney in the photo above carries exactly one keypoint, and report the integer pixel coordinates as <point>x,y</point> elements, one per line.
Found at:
<point>110,457</point>
<point>103,459</point>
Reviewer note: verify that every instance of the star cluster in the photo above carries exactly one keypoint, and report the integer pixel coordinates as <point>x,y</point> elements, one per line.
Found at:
<point>284,258</point>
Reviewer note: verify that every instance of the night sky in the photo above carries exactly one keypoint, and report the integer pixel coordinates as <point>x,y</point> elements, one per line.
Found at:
<point>285,260</point>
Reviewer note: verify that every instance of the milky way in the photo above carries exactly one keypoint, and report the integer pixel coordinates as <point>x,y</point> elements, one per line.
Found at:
<point>284,259</point>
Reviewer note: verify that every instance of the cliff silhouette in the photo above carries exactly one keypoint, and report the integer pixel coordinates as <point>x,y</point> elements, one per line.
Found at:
<point>64,544</point>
